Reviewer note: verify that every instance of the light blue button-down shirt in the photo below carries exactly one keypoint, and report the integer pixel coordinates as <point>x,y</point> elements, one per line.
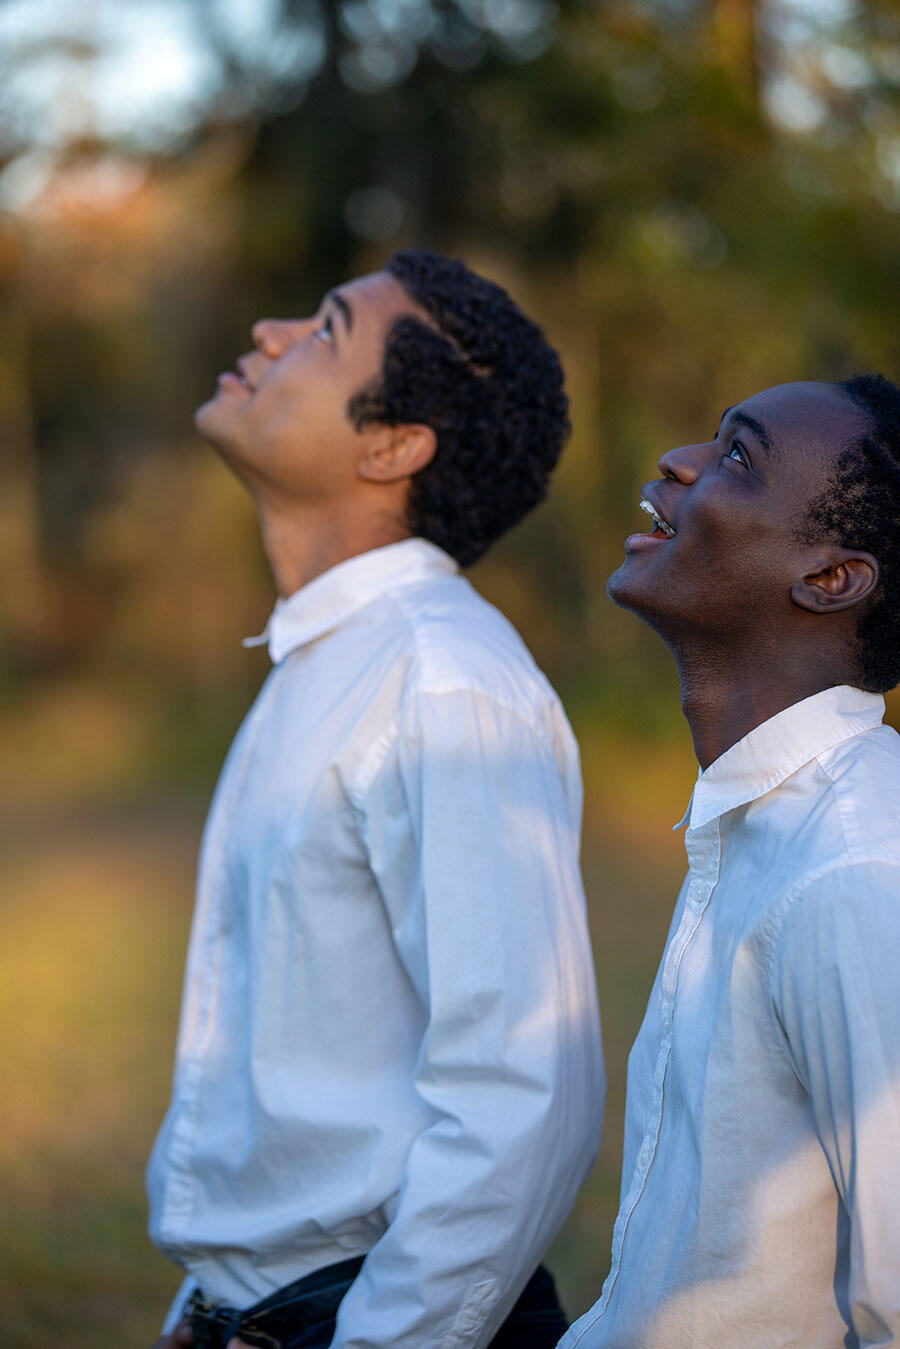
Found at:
<point>760,1199</point>
<point>389,1039</point>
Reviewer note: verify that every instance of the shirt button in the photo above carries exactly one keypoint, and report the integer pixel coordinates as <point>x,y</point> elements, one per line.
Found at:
<point>645,1154</point>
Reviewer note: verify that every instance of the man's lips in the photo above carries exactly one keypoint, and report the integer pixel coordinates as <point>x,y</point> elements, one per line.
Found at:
<point>231,379</point>
<point>241,377</point>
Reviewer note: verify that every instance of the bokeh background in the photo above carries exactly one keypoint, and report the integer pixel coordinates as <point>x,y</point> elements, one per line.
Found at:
<point>697,198</point>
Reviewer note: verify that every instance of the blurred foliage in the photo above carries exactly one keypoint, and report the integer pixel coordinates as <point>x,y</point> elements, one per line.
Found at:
<point>697,197</point>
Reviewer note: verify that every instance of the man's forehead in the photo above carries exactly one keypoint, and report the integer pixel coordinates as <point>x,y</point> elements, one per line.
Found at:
<point>802,415</point>
<point>379,292</point>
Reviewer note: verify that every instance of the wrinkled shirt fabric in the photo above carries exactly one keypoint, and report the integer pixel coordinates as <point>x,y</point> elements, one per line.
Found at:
<point>389,1042</point>
<point>760,1201</point>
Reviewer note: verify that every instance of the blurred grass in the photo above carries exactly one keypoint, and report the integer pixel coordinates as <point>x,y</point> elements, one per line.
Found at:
<point>98,838</point>
<point>93,917</point>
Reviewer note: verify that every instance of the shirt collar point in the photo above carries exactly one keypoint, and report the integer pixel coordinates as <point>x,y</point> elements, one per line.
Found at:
<point>335,595</point>
<point>777,748</point>
<point>259,640</point>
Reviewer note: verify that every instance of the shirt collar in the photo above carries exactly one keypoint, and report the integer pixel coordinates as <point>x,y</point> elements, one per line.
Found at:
<point>331,598</point>
<point>772,752</point>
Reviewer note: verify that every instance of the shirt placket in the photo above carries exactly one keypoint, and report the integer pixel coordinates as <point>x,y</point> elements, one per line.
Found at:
<point>208,970</point>
<point>704,851</point>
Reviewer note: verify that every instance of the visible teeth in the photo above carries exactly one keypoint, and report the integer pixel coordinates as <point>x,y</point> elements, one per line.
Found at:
<point>657,520</point>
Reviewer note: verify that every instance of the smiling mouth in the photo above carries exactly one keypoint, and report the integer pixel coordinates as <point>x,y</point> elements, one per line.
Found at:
<point>236,377</point>
<point>662,526</point>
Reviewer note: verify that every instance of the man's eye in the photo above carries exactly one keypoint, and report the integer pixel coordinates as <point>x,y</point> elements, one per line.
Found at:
<point>325,333</point>
<point>738,453</point>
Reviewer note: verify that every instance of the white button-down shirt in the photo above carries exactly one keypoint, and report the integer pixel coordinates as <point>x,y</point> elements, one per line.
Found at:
<point>389,1039</point>
<point>760,1197</point>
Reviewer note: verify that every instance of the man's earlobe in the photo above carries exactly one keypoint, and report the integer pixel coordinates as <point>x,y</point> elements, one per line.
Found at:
<point>845,578</point>
<point>397,452</point>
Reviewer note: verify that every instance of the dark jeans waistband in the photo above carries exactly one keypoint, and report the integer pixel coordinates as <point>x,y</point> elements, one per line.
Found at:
<point>316,1297</point>
<point>536,1321</point>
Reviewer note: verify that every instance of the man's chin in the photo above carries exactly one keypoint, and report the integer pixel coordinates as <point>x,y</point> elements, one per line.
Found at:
<point>205,418</point>
<point>217,432</point>
<point>622,590</point>
<point>634,591</point>
<point>211,423</point>
<point>625,589</point>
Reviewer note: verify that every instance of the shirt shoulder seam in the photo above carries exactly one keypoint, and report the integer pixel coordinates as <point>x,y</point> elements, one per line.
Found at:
<point>377,754</point>
<point>779,914</point>
<point>849,859</point>
<point>543,691</point>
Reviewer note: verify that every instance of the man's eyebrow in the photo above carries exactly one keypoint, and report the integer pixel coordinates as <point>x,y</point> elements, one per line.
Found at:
<point>744,419</point>
<point>343,306</point>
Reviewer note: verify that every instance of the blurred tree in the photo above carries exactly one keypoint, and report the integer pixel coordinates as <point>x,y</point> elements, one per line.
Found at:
<point>699,197</point>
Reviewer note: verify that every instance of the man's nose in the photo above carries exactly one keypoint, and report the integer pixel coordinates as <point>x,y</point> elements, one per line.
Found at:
<point>274,336</point>
<point>686,463</point>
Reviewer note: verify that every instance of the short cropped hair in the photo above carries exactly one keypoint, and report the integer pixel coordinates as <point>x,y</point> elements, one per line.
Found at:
<point>484,377</point>
<point>860,508</point>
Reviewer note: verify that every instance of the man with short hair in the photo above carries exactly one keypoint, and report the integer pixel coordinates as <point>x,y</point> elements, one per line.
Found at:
<point>761,1175</point>
<point>388,1084</point>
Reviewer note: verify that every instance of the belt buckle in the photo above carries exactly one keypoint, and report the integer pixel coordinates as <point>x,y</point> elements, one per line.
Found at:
<point>211,1326</point>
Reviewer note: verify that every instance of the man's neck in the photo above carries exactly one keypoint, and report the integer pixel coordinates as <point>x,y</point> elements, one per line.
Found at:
<point>301,543</point>
<point>724,699</point>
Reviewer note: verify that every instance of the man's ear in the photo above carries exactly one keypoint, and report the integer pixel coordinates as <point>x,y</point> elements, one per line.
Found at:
<point>395,452</point>
<point>841,579</point>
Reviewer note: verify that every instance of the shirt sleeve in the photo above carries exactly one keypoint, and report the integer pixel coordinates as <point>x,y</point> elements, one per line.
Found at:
<point>837,993</point>
<point>472,834</point>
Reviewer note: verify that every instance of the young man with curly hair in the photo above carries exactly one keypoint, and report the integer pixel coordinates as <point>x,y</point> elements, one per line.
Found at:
<point>389,1083</point>
<point>761,1175</point>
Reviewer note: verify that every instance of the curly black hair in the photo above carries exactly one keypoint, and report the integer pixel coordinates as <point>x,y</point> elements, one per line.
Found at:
<point>860,508</point>
<point>487,381</point>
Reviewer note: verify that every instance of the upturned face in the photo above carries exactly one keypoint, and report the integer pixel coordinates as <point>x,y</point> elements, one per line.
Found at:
<point>723,551</point>
<point>280,418</point>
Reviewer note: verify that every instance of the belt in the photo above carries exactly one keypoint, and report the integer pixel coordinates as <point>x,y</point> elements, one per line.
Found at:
<point>316,1297</point>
